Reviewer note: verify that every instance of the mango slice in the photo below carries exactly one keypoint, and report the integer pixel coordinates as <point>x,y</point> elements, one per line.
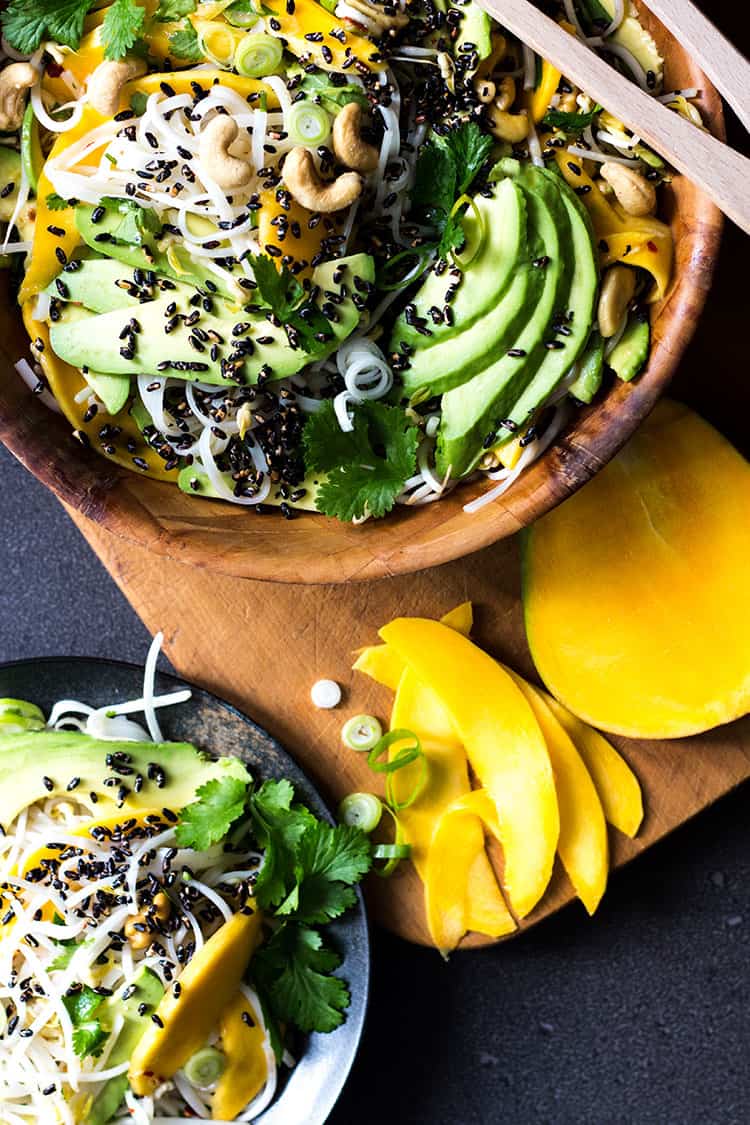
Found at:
<point>181,80</point>
<point>242,1040</point>
<point>310,19</point>
<point>618,787</point>
<point>582,847</point>
<point>636,591</point>
<point>503,742</point>
<point>208,984</point>
<point>385,666</point>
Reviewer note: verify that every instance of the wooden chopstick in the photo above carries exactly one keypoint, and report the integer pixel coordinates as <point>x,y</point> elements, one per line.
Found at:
<point>716,56</point>
<point>719,171</point>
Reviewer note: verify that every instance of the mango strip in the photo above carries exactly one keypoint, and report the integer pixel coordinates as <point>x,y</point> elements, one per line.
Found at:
<point>208,984</point>
<point>616,784</point>
<point>310,18</point>
<point>245,1074</point>
<point>180,81</point>
<point>383,665</point>
<point>503,742</point>
<point>582,846</point>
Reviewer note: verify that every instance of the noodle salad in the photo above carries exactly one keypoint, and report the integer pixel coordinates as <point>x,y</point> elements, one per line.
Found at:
<point>160,925</point>
<point>332,256</point>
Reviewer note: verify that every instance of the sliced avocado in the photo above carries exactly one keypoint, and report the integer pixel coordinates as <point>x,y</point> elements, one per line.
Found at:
<point>30,762</point>
<point>576,311</point>
<point>172,261</point>
<point>503,217</point>
<point>590,368</point>
<point>10,179</point>
<point>96,340</point>
<point>148,990</point>
<point>520,315</point>
<point>113,390</point>
<point>476,28</point>
<point>629,355</point>
<point>103,285</point>
<point>194,481</point>
<point>31,149</point>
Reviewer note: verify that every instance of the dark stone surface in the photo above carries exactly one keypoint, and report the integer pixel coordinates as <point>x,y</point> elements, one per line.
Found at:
<point>639,1016</point>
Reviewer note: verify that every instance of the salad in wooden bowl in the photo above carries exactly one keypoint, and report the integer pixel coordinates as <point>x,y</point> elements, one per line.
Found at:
<point>355,259</point>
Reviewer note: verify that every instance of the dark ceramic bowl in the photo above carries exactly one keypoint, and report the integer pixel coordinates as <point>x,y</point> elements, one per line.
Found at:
<point>312,1087</point>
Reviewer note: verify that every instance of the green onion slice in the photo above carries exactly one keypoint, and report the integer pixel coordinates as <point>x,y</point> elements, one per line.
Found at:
<point>361,733</point>
<point>205,1067</point>
<point>406,756</point>
<point>393,853</point>
<point>238,16</point>
<point>258,55</point>
<point>467,201</point>
<point>18,716</point>
<point>308,124</point>
<point>361,810</point>
<point>397,273</point>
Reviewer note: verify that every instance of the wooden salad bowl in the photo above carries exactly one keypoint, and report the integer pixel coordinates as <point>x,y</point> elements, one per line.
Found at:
<point>314,549</point>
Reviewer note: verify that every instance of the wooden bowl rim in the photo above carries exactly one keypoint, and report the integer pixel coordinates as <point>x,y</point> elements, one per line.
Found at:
<point>409,539</point>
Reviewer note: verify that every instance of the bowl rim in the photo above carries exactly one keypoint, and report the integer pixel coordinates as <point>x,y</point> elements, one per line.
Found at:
<point>137,510</point>
<point>357,920</point>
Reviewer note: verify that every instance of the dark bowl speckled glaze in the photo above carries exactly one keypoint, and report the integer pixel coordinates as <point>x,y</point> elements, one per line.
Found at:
<point>311,1089</point>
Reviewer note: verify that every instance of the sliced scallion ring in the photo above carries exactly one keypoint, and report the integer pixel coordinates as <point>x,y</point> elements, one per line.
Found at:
<point>467,201</point>
<point>257,55</point>
<point>17,716</point>
<point>393,853</point>
<point>361,810</point>
<point>218,44</point>
<point>308,124</point>
<point>397,273</point>
<point>361,733</point>
<point>405,756</point>
<point>238,16</point>
<point>205,1067</point>
<point>415,791</point>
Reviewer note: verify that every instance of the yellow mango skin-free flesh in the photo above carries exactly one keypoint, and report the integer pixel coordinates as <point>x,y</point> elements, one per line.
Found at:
<point>503,742</point>
<point>246,1068</point>
<point>583,846</point>
<point>636,590</point>
<point>208,984</point>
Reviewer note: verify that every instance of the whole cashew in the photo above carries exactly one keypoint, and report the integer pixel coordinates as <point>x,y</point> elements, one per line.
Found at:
<point>213,149</point>
<point>302,179</point>
<point>106,83</point>
<point>512,127</point>
<point>348,145</point>
<point>634,192</point>
<point>484,90</point>
<point>617,292</point>
<point>506,93</point>
<point>15,80</point>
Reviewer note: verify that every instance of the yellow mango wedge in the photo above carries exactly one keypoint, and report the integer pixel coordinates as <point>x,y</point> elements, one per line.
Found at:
<point>582,847</point>
<point>503,742</point>
<point>181,80</point>
<point>302,247</point>
<point>209,983</point>
<point>618,787</point>
<point>311,18</point>
<point>385,666</point>
<point>247,1067</point>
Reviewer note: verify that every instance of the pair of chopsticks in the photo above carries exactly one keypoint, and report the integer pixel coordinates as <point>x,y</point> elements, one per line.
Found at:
<point>714,167</point>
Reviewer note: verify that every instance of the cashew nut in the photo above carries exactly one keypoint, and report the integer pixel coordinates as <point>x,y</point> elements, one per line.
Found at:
<point>634,192</point>
<point>303,181</point>
<point>213,149</point>
<point>512,127</point>
<point>348,145</point>
<point>568,102</point>
<point>106,83</point>
<point>157,911</point>
<point>617,292</point>
<point>484,90</point>
<point>506,93</point>
<point>377,16</point>
<point>15,80</point>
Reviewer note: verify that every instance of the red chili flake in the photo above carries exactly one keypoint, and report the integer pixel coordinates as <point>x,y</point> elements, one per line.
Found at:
<point>54,70</point>
<point>653,247</point>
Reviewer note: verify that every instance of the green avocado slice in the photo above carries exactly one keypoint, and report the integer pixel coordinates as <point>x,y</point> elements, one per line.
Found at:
<point>148,990</point>
<point>30,762</point>
<point>590,368</point>
<point>99,341</point>
<point>10,180</point>
<point>521,314</point>
<point>629,355</point>
<point>503,216</point>
<point>103,285</point>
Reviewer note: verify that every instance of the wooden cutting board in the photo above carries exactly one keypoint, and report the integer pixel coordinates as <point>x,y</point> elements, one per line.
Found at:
<point>262,645</point>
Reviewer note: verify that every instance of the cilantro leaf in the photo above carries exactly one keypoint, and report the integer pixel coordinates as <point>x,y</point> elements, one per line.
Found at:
<point>331,97</point>
<point>367,467</point>
<point>470,148</point>
<point>569,122</point>
<point>452,236</point>
<point>293,970</point>
<point>82,1005</point>
<point>122,25</point>
<point>137,224</point>
<point>184,43</point>
<point>279,826</point>
<point>138,102</point>
<point>89,1038</point>
<point>170,10</point>
<point>56,202</point>
<point>435,178</point>
<point>27,23</point>
<point>329,861</point>
<point>280,290</point>
<point>206,821</point>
